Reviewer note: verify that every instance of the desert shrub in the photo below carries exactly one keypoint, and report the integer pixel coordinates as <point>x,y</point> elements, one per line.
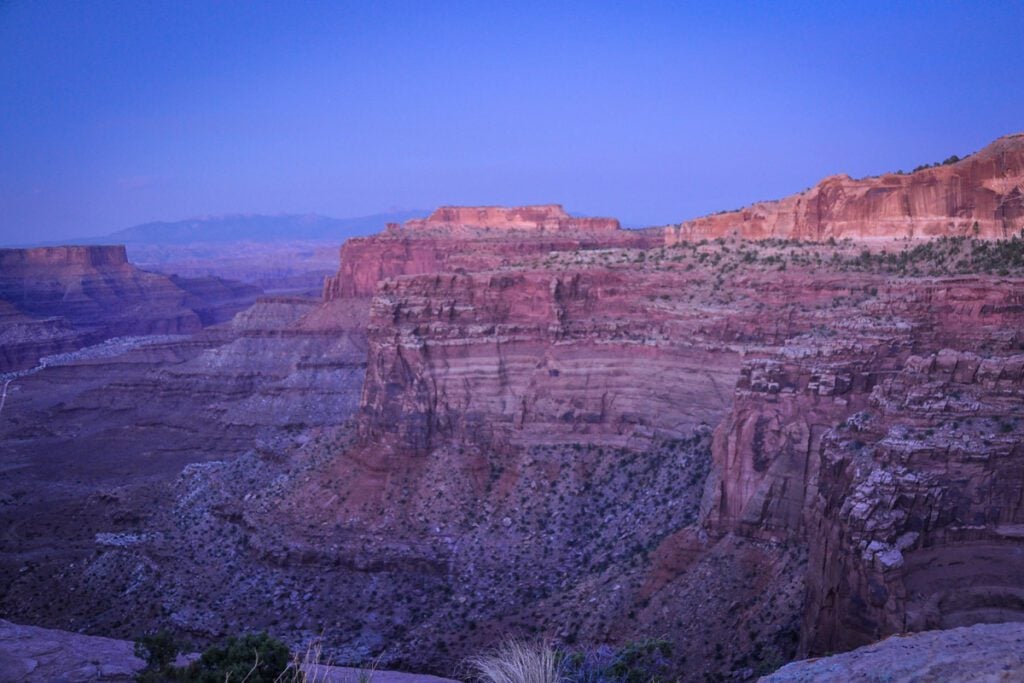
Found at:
<point>254,657</point>
<point>158,648</point>
<point>647,661</point>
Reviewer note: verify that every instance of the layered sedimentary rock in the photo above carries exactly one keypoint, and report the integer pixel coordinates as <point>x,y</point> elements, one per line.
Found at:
<point>58,299</point>
<point>530,357</point>
<point>918,521</point>
<point>535,219</point>
<point>982,195</point>
<point>622,352</point>
<point>563,432</point>
<point>471,239</point>
<point>786,401</point>
<point>93,286</point>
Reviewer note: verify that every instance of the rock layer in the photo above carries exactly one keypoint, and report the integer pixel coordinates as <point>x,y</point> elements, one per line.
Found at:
<point>982,195</point>
<point>60,299</point>
<point>455,239</point>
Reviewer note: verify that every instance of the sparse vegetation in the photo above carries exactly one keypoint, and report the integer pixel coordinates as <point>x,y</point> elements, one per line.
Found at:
<point>647,661</point>
<point>945,162</point>
<point>516,662</point>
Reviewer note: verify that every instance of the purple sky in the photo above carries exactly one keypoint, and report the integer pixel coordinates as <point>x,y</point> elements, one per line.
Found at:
<point>116,113</point>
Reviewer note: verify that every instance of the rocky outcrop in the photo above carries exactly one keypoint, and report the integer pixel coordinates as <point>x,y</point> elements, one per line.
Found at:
<point>529,453</point>
<point>84,257</point>
<point>986,652</point>
<point>41,655</point>
<point>767,449</point>
<point>918,520</point>
<point>93,287</point>
<point>455,239</point>
<point>534,219</point>
<point>982,196</point>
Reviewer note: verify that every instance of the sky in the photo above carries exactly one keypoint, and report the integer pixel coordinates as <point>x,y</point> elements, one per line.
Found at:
<point>116,113</point>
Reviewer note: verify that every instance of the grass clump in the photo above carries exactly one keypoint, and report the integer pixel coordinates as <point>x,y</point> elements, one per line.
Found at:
<point>647,661</point>
<point>516,662</point>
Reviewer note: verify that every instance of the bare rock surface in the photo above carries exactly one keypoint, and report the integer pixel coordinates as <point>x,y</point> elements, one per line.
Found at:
<point>981,195</point>
<point>32,654</point>
<point>988,653</point>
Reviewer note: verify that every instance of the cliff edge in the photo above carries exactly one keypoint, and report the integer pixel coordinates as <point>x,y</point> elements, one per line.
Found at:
<point>979,196</point>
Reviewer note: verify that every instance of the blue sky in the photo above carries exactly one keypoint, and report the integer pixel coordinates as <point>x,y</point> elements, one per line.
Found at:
<point>116,113</point>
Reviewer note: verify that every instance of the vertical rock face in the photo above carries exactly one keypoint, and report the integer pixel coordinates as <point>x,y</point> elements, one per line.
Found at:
<point>472,365</point>
<point>531,357</point>
<point>471,239</point>
<point>531,445</point>
<point>542,218</point>
<point>918,522</point>
<point>982,195</point>
<point>896,458</point>
<point>64,256</point>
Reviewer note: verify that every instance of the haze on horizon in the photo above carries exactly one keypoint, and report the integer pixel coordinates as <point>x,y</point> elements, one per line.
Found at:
<point>119,113</point>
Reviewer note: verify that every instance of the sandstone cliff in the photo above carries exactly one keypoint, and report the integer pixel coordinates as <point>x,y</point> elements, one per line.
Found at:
<point>70,296</point>
<point>472,238</point>
<point>541,218</point>
<point>982,195</point>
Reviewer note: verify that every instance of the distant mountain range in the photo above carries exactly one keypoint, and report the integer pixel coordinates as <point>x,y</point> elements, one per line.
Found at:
<point>252,228</point>
<point>259,228</point>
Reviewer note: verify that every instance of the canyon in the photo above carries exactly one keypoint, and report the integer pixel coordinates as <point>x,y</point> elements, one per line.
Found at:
<point>59,299</point>
<point>760,435</point>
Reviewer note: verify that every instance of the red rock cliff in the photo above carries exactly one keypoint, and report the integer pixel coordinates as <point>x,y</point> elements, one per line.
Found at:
<point>543,218</point>
<point>63,256</point>
<point>71,296</point>
<point>985,190</point>
<point>472,239</point>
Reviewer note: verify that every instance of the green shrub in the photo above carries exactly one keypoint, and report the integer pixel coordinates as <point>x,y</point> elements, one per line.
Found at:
<point>158,649</point>
<point>255,657</point>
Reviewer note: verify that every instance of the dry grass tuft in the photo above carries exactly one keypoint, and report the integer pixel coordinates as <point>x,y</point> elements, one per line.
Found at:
<point>516,662</point>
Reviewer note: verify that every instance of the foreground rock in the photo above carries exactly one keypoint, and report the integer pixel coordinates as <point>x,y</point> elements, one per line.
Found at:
<point>986,652</point>
<point>43,655</point>
<point>29,654</point>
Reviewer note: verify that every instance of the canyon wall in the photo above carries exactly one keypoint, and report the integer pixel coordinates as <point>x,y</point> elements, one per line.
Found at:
<point>894,453</point>
<point>58,299</point>
<point>982,196</point>
<point>516,423</point>
<point>918,521</point>
<point>466,369</point>
<point>535,219</point>
<point>470,239</point>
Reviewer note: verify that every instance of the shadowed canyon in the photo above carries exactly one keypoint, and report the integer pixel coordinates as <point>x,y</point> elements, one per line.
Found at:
<point>762,435</point>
